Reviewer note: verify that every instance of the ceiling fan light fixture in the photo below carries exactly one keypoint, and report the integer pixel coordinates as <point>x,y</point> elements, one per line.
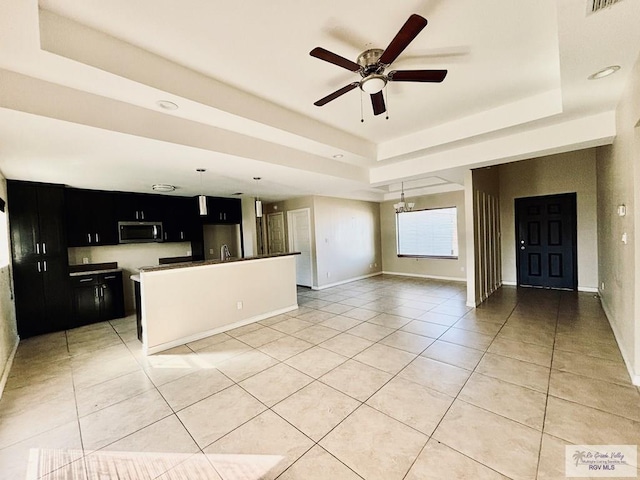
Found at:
<point>373,83</point>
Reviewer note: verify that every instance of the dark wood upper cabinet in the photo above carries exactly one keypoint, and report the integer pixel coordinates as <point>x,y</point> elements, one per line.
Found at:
<point>91,219</point>
<point>223,211</point>
<point>138,207</point>
<point>37,220</point>
<point>179,218</point>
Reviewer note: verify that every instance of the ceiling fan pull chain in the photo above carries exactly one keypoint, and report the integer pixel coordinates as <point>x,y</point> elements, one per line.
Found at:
<point>361,109</point>
<point>386,99</point>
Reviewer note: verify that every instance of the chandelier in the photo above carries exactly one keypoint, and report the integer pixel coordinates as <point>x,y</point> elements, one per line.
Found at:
<point>403,206</point>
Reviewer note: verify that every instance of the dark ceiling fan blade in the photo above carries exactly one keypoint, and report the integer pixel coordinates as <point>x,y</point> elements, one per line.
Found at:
<point>331,57</point>
<point>336,94</point>
<point>435,76</point>
<point>410,30</point>
<point>377,100</point>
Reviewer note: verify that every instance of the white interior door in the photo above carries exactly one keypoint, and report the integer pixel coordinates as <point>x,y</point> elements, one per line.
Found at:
<point>300,241</point>
<point>275,232</point>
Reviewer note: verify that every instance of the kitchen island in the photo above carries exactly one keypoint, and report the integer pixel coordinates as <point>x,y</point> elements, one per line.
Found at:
<point>184,302</point>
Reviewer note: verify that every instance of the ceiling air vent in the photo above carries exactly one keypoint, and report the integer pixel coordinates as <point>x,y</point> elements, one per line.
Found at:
<point>597,5</point>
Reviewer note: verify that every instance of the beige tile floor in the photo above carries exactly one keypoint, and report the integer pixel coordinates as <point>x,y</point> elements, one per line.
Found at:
<point>383,378</point>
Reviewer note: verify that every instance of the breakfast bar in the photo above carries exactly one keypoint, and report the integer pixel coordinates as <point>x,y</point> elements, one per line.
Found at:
<point>184,302</point>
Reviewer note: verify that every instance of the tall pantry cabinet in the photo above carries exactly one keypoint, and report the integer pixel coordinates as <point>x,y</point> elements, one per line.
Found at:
<point>39,251</point>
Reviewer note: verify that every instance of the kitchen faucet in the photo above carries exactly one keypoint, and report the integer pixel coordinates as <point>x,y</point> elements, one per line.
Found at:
<point>224,252</point>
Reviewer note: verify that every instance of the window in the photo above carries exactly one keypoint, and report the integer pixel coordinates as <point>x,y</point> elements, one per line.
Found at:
<point>428,233</point>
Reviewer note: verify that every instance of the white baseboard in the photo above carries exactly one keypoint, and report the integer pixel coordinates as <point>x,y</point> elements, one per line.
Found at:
<point>635,379</point>
<point>7,366</point>
<point>588,289</point>
<point>509,284</point>
<point>349,280</point>
<point>432,277</point>
<point>199,336</point>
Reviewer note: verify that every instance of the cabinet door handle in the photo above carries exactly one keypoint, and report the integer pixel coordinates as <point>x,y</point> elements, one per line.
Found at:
<point>45,265</point>
<point>89,237</point>
<point>44,248</point>
<point>97,238</point>
<point>39,269</point>
<point>137,215</point>
<point>37,248</point>
<point>142,214</point>
<point>86,280</point>
<point>181,235</point>
<point>165,235</point>
<point>96,293</point>
<point>108,277</point>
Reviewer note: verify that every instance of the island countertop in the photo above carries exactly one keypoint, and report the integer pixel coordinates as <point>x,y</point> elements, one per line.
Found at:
<point>199,263</point>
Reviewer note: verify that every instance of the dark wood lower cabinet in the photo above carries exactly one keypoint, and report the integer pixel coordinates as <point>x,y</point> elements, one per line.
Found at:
<point>42,297</point>
<point>97,297</point>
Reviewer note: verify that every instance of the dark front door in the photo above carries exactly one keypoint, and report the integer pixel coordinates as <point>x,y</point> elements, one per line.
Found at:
<point>546,241</point>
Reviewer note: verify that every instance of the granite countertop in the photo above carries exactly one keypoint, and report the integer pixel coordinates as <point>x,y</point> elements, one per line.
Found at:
<point>200,263</point>
<point>93,268</point>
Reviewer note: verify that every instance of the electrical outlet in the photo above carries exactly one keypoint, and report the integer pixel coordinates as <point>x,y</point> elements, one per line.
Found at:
<point>211,251</point>
<point>375,264</point>
<point>371,265</point>
<point>239,305</point>
<point>602,286</point>
<point>85,260</point>
<point>328,274</point>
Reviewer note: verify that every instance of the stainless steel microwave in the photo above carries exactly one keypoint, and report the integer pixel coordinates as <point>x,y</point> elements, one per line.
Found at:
<point>139,232</point>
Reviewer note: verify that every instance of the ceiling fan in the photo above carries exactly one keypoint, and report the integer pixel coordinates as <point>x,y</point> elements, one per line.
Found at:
<point>371,64</point>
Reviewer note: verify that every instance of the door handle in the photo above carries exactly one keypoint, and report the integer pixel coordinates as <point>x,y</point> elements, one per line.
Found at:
<point>108,277</point>
<point>45,265</point>
<point>37,248</point>
<point>44,248</point>
<point>97,238</point>
<point>142,214</point>
<point>39,269</point>
<point>89,237</point>
<point>137,215</point>
<point>522,247</point>
<point>86,280</point>
<point>181,235</point>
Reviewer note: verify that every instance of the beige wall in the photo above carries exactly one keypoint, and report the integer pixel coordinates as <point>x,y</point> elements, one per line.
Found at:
<point>347,238</point>
<point>619,183</point>
<point>130,258</point>
<point>563,173</point>
<point>249,231</point>
<point>8,329</point>
<point>208,297</point>
<point>428,267</point>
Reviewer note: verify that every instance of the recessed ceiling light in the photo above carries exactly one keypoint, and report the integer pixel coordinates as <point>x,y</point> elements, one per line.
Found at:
<point>338,155</point>
<point>163,187</point>
<point>167,105</point>
<point>605,72</point>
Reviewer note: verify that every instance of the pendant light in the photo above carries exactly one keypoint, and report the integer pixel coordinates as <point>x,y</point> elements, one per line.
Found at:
<point>258,201</point>
<point>202,199</point>
<point>403,206</point>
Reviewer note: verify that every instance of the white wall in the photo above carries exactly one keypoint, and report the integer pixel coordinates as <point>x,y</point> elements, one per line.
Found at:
<point>563,173</point>
<point>427,267</point>
<point>8,328</point>
<point>130,258</point>
<point>249,231</point>
<point>619,264</point>
<point>208,297</point>
<point>347,238</point>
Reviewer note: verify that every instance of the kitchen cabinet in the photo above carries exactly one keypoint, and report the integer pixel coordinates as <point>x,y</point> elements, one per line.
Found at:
<point>97,297</point>
<point>39,253</point>
<point>140,207</point>
<point>223,210</point>
<point>179,219</point>
<point>91,219</point>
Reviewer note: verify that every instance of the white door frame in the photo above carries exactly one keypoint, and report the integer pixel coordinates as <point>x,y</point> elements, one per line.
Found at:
<point>291,241</point>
